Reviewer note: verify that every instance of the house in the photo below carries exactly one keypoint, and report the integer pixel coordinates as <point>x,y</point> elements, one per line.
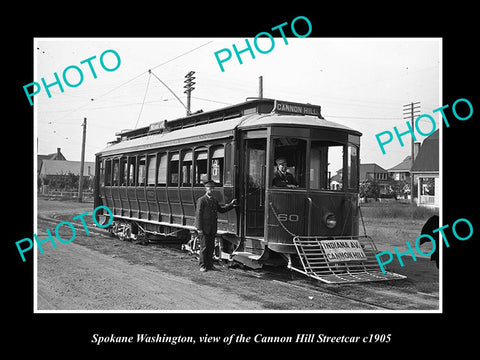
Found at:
<point>62,167</point>
<point>374,172</point>
<point>425,172</point>
<point>336,181</point>
<point>56,175</point>
<point>54,156</point>
<point>401,171</point>
<point>55,166</point>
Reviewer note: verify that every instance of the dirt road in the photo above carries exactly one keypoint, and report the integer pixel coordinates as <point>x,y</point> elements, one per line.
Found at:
<point>98,272</point>
<point>93,281</point>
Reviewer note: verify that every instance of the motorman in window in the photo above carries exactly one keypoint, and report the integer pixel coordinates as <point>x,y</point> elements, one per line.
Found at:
<point>206,223</point>
<point>282,178</point>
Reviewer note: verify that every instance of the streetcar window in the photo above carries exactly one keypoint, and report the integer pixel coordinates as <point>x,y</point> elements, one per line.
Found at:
<point>228,164</point>
<point>187,168</point>
<point>162,169</point>
<point>108,172</point>
<point>352,167</point>
<point>216,167</point>
<point>326,163</point>
<point>132,161</point>
<point>173,169</point>
<point>151,170</point>
<point>142,175</point>
<point>116,172</point>
<point>291,151</point>
<point>201,166</point>
<point>123,171</point>
<point>102,172</point>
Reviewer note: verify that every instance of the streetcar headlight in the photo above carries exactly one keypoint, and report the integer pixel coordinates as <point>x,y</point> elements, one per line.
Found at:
<point>330,220</point>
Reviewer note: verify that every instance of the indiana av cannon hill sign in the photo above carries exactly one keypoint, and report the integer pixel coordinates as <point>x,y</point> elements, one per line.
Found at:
<point>284,107</point>
<point>343,250</point>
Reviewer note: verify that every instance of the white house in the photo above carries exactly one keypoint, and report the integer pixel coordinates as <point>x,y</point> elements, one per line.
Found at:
<point>425,171</point>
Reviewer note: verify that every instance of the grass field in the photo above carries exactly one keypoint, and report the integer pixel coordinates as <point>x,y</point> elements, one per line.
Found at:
<point>396,210</point>
<point>393,223</point>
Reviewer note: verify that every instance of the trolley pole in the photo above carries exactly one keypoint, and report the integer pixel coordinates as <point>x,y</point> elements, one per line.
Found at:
<point>189,88</point>
<point>82,162</point>
<point>409,112</point>
<point>260,87</point>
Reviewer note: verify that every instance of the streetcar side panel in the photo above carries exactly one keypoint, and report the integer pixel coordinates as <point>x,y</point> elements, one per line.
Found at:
<point>161,194</point>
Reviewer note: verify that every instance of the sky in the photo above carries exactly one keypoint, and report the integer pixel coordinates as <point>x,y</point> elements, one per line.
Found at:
<point>361,83</point>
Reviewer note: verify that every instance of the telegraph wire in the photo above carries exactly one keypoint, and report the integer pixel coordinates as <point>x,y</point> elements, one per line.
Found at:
<point>148,71</point>
<point>213,101</point>
<point>132,79</point>
<point>362,117</point>
<point>185,53</point>
<point>88,103</point>
<point>369,117</point>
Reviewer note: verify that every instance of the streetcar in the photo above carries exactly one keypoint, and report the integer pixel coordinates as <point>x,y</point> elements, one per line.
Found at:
<point>151,177</point>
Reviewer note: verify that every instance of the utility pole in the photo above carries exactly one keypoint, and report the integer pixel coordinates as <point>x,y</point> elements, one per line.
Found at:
<point>189,88</point>
<point>260,87</point>
<point>409,112</point>
<point>82,162</point>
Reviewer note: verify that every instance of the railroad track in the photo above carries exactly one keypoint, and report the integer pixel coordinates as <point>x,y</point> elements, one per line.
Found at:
<point>293,280</point>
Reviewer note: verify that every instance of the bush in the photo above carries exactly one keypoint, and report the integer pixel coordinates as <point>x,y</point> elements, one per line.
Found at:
<point>66,182</point>
<point>369,189</point>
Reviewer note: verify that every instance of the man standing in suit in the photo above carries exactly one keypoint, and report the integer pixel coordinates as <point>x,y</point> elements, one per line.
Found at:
<point>206,223</point>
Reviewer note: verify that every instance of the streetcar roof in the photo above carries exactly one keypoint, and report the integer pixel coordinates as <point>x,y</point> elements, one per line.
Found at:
<point>191,134</point>
<point>169,133</point>
<point>292,120</point>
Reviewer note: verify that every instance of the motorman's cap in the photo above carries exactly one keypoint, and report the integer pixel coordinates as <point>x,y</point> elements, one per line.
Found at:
<point>209,183</point>
<point>281,161</point>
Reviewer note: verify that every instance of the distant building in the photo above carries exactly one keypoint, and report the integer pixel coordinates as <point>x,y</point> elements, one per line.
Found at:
<point>62,167</point>
<point>336,181</point>
<point>53,166</point>
<point>374,172</point>
<point>425,171</point>
<point>54,156</point>
<point>402,170</point>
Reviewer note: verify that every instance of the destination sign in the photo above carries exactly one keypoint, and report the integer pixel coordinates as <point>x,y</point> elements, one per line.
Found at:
<point>285,107</point>
<point>343,250</point>
<point>158,126</point>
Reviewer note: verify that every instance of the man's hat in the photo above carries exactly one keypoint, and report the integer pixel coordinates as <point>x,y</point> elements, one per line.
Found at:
<point>209,183</point>
<point>281,161</point>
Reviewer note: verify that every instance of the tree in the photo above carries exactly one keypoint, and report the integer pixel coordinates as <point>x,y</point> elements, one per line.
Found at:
<point>369,189</point>
<point>68,181</point>
<point>399,188</point>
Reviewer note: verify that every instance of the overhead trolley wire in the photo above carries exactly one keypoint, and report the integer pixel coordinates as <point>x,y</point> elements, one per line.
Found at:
<point>132,79</point>
<point>149,70</point>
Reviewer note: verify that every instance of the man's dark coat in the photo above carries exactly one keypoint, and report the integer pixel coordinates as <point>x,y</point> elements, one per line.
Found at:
<point>206,214</point>
<point>282,180</point>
